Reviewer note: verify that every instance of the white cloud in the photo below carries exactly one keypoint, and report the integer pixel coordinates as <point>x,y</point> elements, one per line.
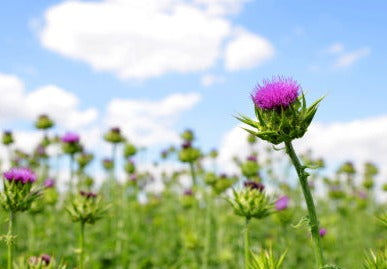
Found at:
<point>349,58</point>
<point>335,48</point>
<point>140,39</point>
<point>61,105</point>
<point>221,7</point>
<point>358,141</point>
<point>247,50</point>
<point>209,80</point>
<point>150,122</point>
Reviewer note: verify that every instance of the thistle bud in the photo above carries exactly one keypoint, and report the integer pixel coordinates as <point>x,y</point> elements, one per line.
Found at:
<point>70,143</point>
<point>7,138</point>
<point>129,150</point>
<point>188,135</point>
<point>114,136</point>
<point>251,203</point>
<point>44,122</point>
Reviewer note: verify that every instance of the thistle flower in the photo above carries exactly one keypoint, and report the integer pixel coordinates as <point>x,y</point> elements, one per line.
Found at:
<point>107,164</point>
<point>49,183</point>
<point>277,93</point>
<point>46,258</point>
<point>129,150</point>
<point>188,135</point>
<point>88,194</point>
<point>281,111</point>
<point>114,136</point>
<point>44,122</point>
<point>70,138</point>
<point>20,174</point>
<point>252,158</point>
<point>7,138</point>
<point>282,203</point>
<point>253,185</point>
<point>322,232</point>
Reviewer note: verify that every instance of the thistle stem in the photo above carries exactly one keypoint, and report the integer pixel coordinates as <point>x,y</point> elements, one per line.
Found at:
<point>10,239</point>
<point>247,244</point>
<point>193,173</point>
<point>114,150</point>
<point>314,226</point>
<point>209,231</point>
<point>82,245</point>
<point>71,173</point>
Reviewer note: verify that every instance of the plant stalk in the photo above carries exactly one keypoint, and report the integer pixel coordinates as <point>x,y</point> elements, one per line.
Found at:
<point>82,246</point>
<point>247,244</point>
<point>314,225</point>
<point>10,242</point>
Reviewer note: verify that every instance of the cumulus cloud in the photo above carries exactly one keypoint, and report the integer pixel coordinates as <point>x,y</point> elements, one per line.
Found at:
<point>358,141</point>
<point>335,48</point>
<point>349,58</point>
<point>149,122</point>
<point>247,50</point>
<point>209,80</point>
<point>60,104</point>
<point>140,39</point>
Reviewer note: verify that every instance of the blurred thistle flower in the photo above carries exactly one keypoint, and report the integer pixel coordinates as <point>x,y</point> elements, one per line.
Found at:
<point>70,138</point>
<point>323,232</point>
<point>282,203</point>
<point>44,122</point>
<point>107,164</point>
<point>214,153</point>
<point>281,111</point>
<point>84,159</point>
<point>49,183</point>
<point>129,150</point>
<point>188,135</point>
<point>20,174</point>
<point>186,144</point>
<point>88,194</point>
<point>114,136</point>
<point>46,258</point>
<point>130,167</point>
<point>188,192</point>
<point>252,158</point>
<point>253,185</point>
<point>7,138</point>
<point>277,93</point>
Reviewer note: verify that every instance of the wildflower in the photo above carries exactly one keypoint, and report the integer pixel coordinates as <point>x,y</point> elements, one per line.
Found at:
<point>45,258</point>
<point>129,150</point>
<point>88,194</point>
<point>114,136</point>
<point>278,93</point>
<point>322,232</point>
<point>107,164</point>
<point>254,185</point>
<point>282,203</point>
<point>44,122</point>
<point>7,138</point>
<point>49,183</point>
<point>70,138</point>
<point>22,175</point>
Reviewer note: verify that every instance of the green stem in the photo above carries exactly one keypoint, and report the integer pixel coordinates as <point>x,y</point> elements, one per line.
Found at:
<point>247,244</point>
<point>114,150</point>
<point>314,226</point>
<point>193,174</point>
<point>71,173</point>
<point>208,230</point>
<point>10,239</point>
<point>82,246</point>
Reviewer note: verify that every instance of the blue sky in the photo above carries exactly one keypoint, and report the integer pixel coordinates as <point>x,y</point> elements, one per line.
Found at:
<point>330,47</point>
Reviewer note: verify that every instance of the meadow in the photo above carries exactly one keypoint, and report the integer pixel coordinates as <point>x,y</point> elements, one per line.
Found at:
<point>257,219</point>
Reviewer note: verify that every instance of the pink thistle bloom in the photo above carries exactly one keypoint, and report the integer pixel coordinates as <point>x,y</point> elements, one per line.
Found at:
<point>282,203</point>
<point>252,158</point>
<point>323,232</point>
<point>49,183</point>
<point>276,93</point>
<point>20,174</point>
<point>70,138</point>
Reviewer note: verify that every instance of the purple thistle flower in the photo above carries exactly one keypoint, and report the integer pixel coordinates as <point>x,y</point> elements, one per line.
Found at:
<point>253,185</point>
<point>49,183</point>
<point>282,203</point>
<point>186,144</point>
<point>276,93</point>
<point>362,195</point>
<point>46,258</point>
<point>70,138</point>
<point>188,192</point>
<point>88,194</point>
<point>252,158</point>
<point>322,232</point>
<point>20,174</point>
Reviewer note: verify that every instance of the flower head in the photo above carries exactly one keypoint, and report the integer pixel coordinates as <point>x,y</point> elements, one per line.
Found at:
<point>282,203</point>
<point>254,185</point>
<point>276,93</point>
<point>49,183</point>
<point>70,138</point>
<point>322,232</point>
<point>46,258</point>
<point>20,174</point>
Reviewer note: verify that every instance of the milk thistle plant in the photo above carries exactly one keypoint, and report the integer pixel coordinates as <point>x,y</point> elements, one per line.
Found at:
<point>71,145</point>
<point>281,117</point>
<point>17,196</point>
<point>114,137</point>
<point>86,208</point>
<point>250,202</point>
